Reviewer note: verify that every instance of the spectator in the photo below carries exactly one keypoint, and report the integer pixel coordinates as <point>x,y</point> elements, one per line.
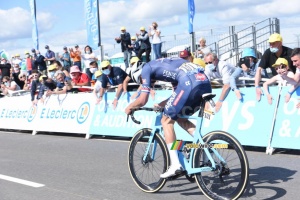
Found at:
<point>202,49</point>
<point>5,67</point>
<point>8,86</point>
<point>76,55</point>
<point>16,76</point>
<point>51,71</point>
<point>40,63</point>
<point>185,54</point>
<point>66,59</point>
<point>17,60</point>
<point>246,68</point>
<point>21,80</point>
<point>93,69</point>
<point>34,54</point>
<point>61,68</point>
<point>135,45</point>
<point>41,90</point>
<point>33,85</point>
<point>87,58</point>
<point>98,86</point>
<point>154,33</point>
<point>29,62</point>
<point>49,56</point>
<point>114,76</point>
<point>282,67</point>
<point>125,41</point>
<point>276,50</point>
<point>34,77</point>
<point>79,79</point>
<point>143,37</point>
<point>63,84</point>
<point>216,68</point>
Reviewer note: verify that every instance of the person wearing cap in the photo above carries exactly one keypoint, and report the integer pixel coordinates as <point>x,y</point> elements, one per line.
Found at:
<point>282,68</point>
<point>135,45</point>
<point>66,59</point>
<point>49,56</point>
<point>143,37</point>
<point>199,62</point>
<point>33,51</point>
<point>40,63</point>
<point>246,68</point>
<point>97,86</point>
<point>125,40</point>
<point>51,71</point>
<point>154,33</point>
<point>276,50</point>
<point>76,56</point>
<point>114,76</point>
<point>79,79</point>
<point>63,84</point>
<point>186,55</point>
<point>5,67</point>
<point>217,69</point>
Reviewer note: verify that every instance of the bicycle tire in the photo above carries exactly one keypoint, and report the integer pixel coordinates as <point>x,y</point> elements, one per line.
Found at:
<point>146,175</point>
<point>221,183</point>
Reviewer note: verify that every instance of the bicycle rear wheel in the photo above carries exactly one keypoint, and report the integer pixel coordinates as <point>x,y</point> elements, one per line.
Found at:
<point>230,179</point>
<point>146,174</point>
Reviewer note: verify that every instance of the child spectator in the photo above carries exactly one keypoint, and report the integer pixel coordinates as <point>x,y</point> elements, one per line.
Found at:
<point>135,45</point>
<point>282,68</point>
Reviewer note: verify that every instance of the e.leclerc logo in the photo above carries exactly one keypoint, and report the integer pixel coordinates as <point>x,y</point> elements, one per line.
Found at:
<point>83,112</point>
<point>31,113</point>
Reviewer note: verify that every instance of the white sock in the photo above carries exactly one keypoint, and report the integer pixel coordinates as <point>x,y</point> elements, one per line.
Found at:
<point>173,155</point>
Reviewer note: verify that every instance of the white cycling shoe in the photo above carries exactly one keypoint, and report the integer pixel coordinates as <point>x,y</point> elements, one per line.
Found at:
<point>172,171</point>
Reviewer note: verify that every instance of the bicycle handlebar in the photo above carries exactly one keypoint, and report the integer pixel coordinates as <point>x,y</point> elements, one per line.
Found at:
<point>156,109</point>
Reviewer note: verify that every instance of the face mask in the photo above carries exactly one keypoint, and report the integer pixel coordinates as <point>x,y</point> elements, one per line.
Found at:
<point>93,70</point>
<point>211,67</point>
<point>87,52</point>
<point>252,64</point>
<point>106,71</point>
<point>27,56</point>
<point>48,50</point>
<point>2,62</point>
<point>51,74</point>
<point>274,50</point>
<point>38,55</point>
<point>6,84</point>
<point>16,69</point>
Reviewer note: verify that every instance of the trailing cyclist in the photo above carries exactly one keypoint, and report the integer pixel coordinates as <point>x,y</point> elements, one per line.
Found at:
<point>191,84</point>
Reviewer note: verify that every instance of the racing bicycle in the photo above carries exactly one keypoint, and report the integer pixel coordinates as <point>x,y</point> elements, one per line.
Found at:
<point>216,160</point>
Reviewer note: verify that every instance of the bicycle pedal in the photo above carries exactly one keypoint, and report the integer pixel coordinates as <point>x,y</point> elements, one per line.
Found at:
<point>178,173</point>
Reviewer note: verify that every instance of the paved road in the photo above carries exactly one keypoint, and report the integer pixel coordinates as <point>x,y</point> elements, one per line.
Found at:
<point>73,168</point>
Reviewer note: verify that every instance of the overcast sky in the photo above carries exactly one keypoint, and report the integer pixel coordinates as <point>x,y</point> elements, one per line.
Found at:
<point>62,22</point>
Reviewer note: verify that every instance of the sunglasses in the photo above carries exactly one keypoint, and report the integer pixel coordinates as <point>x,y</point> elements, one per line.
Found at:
<point>104,68</point>
<point>35,75</point>
<point>208,63</point>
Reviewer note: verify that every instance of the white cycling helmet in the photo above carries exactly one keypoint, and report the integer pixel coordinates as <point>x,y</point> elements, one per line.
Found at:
<point>136,71</point>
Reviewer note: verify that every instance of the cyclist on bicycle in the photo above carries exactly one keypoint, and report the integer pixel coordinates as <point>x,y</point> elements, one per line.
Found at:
<point>191,84</point>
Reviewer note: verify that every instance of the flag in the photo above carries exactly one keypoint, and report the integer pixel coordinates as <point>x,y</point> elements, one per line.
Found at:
<point>35,36</point>
<point>191,14</point>
<point>92,23</point>
<point>4,54</point>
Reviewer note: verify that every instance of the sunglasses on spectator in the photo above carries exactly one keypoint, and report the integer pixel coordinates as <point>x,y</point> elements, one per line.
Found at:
<point>104,68</point>
<point>35,75</point>
<point>208,62</point>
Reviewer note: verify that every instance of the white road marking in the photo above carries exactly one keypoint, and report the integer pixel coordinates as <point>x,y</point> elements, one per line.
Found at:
<point>21,181</point>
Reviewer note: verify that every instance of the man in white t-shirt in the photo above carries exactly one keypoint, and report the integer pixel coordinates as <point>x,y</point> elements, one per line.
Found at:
<point>154,33</point>
<point>216,69</point>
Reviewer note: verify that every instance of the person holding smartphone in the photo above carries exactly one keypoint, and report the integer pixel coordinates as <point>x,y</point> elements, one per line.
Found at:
<point>154,33</point>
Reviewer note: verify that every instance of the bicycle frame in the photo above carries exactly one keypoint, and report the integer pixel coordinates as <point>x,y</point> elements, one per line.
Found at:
<point>186,164</point>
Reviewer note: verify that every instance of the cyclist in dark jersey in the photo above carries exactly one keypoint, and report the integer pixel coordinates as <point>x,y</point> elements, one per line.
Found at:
<point>191,84</point>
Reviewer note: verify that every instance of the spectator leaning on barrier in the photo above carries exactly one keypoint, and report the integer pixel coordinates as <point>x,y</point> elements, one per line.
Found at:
<point>8,86</point>
<point>79,79</point>
<point>66,59</point>
<point>114,76</point>
<point>221,70</point>
<point>246,67</point>
<point>63,84</point>
<point>125,42</point>
<point>282,68</point>
<point>143,37</point>
<point>276,50</point>
<point>76,55</point>
<point>97,86</point>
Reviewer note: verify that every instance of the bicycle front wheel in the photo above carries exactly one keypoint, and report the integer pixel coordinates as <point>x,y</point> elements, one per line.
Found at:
<point>146,172</point>
<point>230,178</point>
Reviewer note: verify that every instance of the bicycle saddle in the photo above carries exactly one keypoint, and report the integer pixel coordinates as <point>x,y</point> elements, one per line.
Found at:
<point>208,96</point>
